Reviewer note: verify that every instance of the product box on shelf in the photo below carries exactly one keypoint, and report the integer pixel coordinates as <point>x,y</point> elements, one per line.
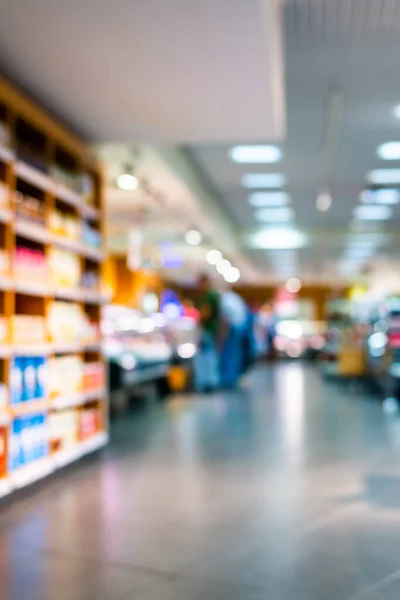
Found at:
<point>91,330</point>
<point>93,376</point>
<point>91,281</point>
<point>91,237</point>
<point>28,330</point>
<point>65,268</point>
<point>86,185</point>
<point>30,265</point>
<point>65,178</point>
<point>28,379</point>
<point>65,225</point>
<point>65,376</point>
<point>29,209</point>
<point>28,441</point>
<point>66,322</point>
<point>64,429</point>
<point>89,422</point>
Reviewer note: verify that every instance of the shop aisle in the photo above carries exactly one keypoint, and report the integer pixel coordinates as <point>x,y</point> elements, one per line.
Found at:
<point>289,489</point>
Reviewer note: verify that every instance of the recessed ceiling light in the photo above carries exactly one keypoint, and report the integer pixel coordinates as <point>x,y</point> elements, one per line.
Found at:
<point>223,266</point>
<point>263,180</point>
<point>232,275</point>
<point>389,151</point>
<point>293,285</point>
<point>213,257</point>
<point>274,215</point>
<point>127,182</point>
<point>324,201</point>
<point>372,212</point>
<point>354,252</point>
<point>387,196</point>
<point>193,237</point>
<point>396,111</point>
<point>281,238</point>
<point>256,154</point>
<point>384,176</point>
<point>259,199</point>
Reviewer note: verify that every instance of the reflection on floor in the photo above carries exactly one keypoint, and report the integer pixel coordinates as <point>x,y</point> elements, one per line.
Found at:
<point>289,489</point>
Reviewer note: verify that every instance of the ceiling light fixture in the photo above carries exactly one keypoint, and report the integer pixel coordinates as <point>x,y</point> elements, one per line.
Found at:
<point>274,215</point>
<point>324,201</point>
<point>213,257</point>
<point>372,212</point>
<point>293,285</point>
<point>388,196</point>
<point>223,266</point>
<point>127,181</point>
<point>263,180</point>
<point>384,176</point>
<point>279,238</point>
<point>193,237</point>
<point>389,151</point>
<point>232,275</point>
<point>268,199</point>
<point>396,111</point>
<point>256,154</point>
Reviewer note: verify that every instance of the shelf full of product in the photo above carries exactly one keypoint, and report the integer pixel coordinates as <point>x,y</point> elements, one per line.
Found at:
<point>53,389</point>
<point>141,347</point>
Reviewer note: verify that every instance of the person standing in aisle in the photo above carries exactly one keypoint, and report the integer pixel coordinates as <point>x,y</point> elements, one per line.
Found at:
<point>206,364</point>
<point>234,314</point>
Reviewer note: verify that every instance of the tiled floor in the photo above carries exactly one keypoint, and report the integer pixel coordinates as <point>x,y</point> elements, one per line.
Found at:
<point>289,490</point>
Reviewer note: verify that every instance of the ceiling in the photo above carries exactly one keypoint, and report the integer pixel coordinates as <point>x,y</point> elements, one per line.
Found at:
<point>175,71</point>
<point>342,84</point>
<point>185,80</point>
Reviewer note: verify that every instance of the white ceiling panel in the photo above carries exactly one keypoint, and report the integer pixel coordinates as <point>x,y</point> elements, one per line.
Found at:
<point>151,70</point>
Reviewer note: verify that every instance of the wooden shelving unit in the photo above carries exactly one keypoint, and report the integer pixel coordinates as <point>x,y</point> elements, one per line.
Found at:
<point>51,259</point>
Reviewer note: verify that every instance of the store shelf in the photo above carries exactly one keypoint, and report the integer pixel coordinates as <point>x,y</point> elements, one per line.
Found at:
<point>30,350</point>
<point>5,351</point>
<point>32,231</point>
<point>31,472</point>
<point>78,399</point>
<point>66,347</point>
<point>97,394</point>
<point>66,243</point>
<point>31,288</point>
<point>93,297</point>
<point>68,293</point>
<point>68,196</point>
<point>90,212</point>
<point>4,418</point>
<point>6,155</point>
<point>70,161</point>
<point>5,487</point>
<point>6,284</point>
<point>70,455</point>
<point>33,176</point>
<point>93,347</point>
<point>94,443</point>
<point>29,407</point>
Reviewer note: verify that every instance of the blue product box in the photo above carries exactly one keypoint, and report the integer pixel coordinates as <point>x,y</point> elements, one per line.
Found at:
<point>29,380</point>
<point>17,380</point>
<point>15,456</point>
<point>40,377</point>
